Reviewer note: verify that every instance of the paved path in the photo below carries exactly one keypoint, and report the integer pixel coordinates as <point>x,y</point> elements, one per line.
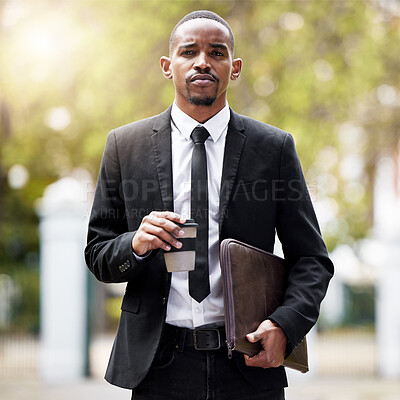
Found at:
<point>345,388</point>
<point>84,390</point>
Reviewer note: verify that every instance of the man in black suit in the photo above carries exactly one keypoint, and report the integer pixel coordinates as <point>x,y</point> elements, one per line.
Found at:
<point>249,185</point>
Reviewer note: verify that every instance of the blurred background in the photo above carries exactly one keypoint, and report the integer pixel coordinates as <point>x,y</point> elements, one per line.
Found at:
<point>70,71</point>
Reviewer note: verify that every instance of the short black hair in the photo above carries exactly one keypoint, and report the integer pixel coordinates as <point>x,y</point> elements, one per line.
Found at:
<point>202,14</point>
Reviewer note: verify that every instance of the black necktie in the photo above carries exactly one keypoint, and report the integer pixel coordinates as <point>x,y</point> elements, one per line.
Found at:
<point>199,285</point>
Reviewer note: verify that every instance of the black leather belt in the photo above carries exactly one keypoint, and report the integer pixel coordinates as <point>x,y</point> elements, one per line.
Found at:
<point>200,339</point>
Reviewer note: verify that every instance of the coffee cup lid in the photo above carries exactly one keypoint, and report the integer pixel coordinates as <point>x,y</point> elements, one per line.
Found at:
<point>189,223</point>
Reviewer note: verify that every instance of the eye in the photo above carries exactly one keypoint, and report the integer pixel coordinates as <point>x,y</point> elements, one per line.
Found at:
<point>187,52</point>
<point>218,53</point>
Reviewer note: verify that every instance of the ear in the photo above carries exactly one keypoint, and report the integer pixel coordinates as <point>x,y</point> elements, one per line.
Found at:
<point>166,67</point>
<point>236,68</point>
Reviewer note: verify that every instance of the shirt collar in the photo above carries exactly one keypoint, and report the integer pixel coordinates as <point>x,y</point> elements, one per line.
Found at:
<point>215,125</point>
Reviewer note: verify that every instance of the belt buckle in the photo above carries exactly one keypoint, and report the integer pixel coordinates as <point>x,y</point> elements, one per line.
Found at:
<point>197,346</point>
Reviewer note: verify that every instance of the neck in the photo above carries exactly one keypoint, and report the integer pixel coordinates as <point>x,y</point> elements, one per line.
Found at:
<point>201,113</point>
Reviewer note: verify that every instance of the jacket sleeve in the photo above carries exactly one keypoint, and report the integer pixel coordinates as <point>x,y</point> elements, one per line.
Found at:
<point>108,253</point>
<point>310,268</point>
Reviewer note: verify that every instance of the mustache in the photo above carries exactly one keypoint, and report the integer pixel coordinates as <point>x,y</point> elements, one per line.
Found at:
<point>211,75</point>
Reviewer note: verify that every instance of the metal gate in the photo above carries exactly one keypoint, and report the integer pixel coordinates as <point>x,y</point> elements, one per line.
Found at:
<point>19,322</point>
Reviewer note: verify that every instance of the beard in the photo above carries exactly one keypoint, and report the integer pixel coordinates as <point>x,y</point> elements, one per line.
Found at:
<point>202,100</point>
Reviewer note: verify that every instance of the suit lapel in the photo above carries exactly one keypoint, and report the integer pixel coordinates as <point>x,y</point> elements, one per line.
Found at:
<point>235,140</point>
<point>161,138</point>
<point>163,156</point>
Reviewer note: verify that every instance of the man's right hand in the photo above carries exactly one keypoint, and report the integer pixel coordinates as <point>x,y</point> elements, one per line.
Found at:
<point>155,232</point>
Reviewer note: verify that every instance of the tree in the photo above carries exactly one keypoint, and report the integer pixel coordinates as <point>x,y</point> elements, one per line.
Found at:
<point>72,71</point>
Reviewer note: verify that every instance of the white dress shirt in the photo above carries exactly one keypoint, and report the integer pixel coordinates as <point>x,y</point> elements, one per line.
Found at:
<point>182,309</point>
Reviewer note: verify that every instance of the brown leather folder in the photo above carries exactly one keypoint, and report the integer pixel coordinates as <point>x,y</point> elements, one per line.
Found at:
<point>254,283</point>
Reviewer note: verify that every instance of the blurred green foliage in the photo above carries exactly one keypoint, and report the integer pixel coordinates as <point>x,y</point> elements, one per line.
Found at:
<point>360,308</point>
<point>113,312</point>
<point>326,71</point>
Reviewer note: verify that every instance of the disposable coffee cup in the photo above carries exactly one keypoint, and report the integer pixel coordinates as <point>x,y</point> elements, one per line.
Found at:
<point>183,259</point>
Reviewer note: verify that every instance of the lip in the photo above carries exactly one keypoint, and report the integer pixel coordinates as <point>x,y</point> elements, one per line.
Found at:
<point>202,77</point>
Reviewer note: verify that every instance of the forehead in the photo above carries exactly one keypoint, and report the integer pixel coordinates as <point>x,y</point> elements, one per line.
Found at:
<point>202,30</point>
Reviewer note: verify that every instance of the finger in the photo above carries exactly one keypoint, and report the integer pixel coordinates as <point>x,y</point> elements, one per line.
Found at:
<point>155,242</point>
<point>164,224</point>
<point>253,361</point>
<point>255,336</point>
<point>168,215</point>
<point>252,337</point>
<point>162,234</point>
<point>262,360</point>
<point>258,334</point>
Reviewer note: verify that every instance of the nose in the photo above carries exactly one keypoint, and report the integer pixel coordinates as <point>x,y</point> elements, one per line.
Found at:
<point>202,62</point>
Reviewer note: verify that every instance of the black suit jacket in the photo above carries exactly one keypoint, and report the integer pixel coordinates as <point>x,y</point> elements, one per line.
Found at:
<point>263,191</point>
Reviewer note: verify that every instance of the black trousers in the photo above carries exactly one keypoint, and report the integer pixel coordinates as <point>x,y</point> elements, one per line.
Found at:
<point>189,374</point>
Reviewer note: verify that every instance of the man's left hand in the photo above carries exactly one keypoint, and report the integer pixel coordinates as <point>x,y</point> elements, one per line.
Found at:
<point>273,342</point>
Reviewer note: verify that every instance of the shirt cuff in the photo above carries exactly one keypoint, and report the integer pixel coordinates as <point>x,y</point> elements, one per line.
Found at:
<point>142,258</point>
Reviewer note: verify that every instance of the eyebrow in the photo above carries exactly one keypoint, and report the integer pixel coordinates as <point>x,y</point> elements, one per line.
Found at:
<point>213,45</point>
<point>219,46</point>
<point>188,45</point>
